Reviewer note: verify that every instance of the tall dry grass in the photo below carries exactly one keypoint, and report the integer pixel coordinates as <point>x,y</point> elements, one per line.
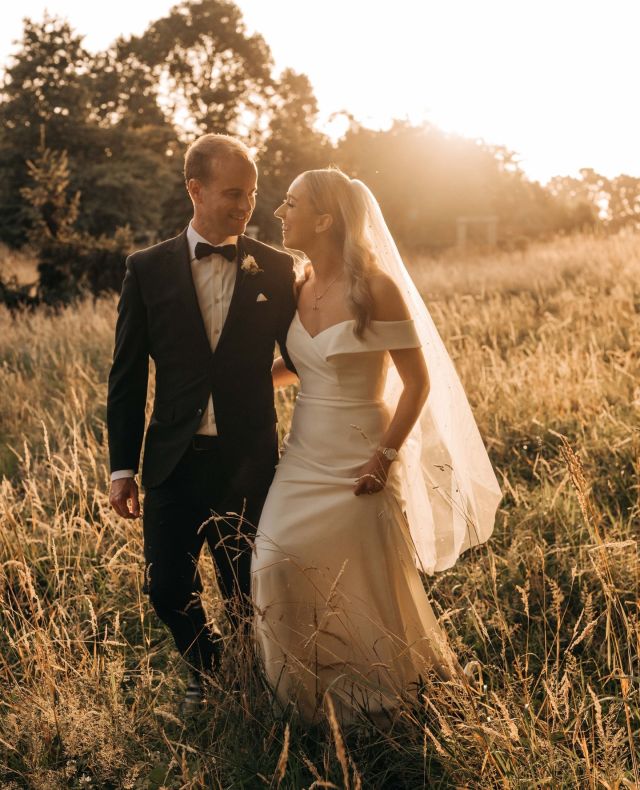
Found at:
<point>546,343</point>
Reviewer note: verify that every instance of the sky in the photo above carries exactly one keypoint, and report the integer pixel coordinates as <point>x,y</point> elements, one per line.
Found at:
<point>553,80</point>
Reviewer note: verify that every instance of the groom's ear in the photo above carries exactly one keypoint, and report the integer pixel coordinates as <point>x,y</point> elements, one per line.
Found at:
<point>323,223</point>
<point>193,188</point>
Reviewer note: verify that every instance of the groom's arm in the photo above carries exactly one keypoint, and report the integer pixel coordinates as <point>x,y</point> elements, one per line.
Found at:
<point>286,315</point>
<point>128,378</point>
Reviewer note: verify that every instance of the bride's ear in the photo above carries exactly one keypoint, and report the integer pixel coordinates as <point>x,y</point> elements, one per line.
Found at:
<point>323,223</point>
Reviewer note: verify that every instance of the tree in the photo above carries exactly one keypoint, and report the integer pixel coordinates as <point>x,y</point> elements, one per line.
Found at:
<point>214,76</point>
<point>624,202</point>
<point>292,146</point>
<point>128,183</point>
<point>53,211</point>
<point>103,113</point>
<point>422,178</point>
<point>70,261</point>
<point>425,179</point>
<point>125,90</point>
<point>115,113</point>
<point>123,118</point>
<point>615,201</point>
<point>46,85</point>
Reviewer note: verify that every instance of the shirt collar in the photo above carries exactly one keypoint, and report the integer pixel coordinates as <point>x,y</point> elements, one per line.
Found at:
<point>193,237</point>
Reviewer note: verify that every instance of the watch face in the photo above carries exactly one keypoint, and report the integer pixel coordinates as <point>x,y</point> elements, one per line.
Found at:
<point>390,454</point>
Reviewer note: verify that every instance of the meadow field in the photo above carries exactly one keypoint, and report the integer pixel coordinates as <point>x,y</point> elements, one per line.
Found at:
<point>547,344</point>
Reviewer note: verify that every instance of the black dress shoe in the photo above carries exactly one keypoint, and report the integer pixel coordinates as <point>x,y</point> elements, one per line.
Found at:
<point>194,698</point>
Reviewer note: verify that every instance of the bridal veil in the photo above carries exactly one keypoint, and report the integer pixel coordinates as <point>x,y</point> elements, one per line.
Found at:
<point>449,486</point>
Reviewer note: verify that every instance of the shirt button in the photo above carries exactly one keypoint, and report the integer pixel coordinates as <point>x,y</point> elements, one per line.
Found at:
<point>216,331</point>
<point>198,411</point>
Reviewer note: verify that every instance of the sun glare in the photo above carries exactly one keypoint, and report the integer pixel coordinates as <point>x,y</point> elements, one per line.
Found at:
<point>551,81</point>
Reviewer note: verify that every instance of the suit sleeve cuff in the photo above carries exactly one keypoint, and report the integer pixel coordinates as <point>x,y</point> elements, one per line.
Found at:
<point>120,473</point>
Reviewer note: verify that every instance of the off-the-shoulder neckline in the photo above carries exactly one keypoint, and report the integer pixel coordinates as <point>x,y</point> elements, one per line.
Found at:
<point>342,323</point>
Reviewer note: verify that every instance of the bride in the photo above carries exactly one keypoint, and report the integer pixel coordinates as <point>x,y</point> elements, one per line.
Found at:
<point>383,471</point>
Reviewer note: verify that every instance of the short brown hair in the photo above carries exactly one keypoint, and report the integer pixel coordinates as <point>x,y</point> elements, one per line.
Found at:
<point>204,151</point>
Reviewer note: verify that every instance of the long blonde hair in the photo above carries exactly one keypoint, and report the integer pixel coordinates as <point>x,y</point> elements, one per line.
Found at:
<point>331,192</point>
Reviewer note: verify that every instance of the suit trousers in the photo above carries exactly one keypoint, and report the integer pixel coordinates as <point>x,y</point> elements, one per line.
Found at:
<point>215,493</point>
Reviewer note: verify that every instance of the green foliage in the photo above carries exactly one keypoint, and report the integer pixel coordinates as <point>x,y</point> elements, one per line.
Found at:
<point>53,213</point>
<point>71,261</point>
<point>114,148</point>
<point>70,267</point>
<point>615,201</point>
<point>425,179</point>
<point>125,115</point>
<point>15,295</point>
<point>128,185</point>
<point>293,145</point>
<point>216,74</point>
<point>46,85</point>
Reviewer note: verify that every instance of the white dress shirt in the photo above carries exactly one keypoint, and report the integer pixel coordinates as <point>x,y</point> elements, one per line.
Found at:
<point>214,279</point>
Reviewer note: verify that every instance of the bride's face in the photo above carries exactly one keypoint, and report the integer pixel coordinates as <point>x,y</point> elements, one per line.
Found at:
<point>300,222</point>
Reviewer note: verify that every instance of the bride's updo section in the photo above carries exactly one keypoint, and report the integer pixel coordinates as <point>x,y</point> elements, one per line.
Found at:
<point>332,192</point>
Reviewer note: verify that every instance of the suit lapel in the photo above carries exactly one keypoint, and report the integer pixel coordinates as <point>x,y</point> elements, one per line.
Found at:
<point>187,289</point>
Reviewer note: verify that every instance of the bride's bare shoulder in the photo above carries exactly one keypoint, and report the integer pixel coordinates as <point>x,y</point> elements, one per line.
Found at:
<point>386,300</point>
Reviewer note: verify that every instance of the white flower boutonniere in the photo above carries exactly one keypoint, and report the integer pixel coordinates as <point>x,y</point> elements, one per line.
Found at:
<point>250,266</point>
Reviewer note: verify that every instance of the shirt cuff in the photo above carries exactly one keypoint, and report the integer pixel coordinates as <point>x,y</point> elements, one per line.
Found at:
<point>120,473</point>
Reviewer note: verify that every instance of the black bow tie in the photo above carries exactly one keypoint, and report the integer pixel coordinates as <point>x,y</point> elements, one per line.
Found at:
<point>228,250</point>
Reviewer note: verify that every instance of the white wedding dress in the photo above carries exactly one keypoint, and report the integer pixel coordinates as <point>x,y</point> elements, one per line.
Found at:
<point>339,604</point>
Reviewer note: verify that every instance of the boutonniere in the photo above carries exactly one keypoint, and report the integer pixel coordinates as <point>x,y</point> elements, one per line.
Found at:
<point>250,266</point>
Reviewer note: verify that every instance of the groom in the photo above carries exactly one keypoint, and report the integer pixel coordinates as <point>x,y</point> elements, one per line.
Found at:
<point>207,306</point>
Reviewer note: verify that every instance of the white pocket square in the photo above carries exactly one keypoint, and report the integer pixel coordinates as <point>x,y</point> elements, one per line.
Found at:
<point>262,298</point>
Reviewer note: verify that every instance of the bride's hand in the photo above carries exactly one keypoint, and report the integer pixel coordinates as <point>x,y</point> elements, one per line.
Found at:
<point>373,476</point>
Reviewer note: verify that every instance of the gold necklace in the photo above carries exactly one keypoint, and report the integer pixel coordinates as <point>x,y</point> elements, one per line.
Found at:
<point>318,298</point>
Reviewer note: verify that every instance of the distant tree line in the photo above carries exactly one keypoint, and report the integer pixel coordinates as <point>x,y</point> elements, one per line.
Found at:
<point>91,149</point>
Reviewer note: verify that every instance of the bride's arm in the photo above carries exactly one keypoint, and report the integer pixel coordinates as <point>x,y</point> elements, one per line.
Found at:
<point>282,376</point>
<point>412,369</point>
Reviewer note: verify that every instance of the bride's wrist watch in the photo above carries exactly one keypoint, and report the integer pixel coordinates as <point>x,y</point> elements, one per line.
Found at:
<point>390,453</point>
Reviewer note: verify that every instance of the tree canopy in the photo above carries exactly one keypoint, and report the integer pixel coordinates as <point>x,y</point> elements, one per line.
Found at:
<point>123,118</point>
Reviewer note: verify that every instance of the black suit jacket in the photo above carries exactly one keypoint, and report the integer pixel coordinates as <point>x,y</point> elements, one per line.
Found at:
<point>159,317</point>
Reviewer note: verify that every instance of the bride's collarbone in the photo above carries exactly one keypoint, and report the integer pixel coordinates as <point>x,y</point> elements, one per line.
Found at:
<point>314,323</point>
<point>317,315</point>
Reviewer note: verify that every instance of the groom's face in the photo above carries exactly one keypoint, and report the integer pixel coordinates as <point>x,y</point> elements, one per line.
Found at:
<point>225,202</point>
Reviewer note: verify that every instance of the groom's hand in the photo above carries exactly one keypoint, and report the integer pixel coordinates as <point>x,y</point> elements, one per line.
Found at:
<point>122,492</point>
